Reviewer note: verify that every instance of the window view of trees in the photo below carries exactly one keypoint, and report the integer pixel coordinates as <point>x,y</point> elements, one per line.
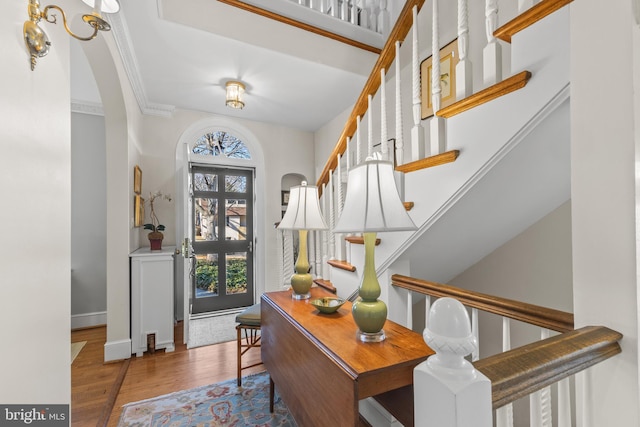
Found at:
<point>220,143</point>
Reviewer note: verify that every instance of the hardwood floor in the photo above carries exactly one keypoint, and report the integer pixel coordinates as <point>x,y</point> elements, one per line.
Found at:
<point>93,382</point>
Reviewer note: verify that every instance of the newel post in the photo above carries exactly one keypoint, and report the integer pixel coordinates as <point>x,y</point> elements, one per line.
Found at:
<point>448,391</point>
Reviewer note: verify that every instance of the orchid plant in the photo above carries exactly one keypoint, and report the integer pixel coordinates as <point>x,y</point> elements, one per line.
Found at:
<point>155,225</point>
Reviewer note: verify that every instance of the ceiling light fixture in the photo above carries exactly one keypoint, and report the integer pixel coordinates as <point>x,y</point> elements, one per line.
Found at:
<point>235,90</point>
<point>36,39</point>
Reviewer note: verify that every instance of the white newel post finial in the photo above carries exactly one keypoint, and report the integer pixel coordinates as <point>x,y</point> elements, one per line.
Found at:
<point>448,391</point>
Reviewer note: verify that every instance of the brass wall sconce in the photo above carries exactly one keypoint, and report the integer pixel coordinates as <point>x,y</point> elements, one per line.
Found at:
<point>36,39</point>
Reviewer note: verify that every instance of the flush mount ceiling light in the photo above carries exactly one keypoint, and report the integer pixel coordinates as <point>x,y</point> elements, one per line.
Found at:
<point>235,90</point>
<point>36,39</point>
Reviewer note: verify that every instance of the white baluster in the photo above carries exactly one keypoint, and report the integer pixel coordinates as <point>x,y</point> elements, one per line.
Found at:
<point>354,13</point>
<point>347,244</point>
<point>535,409</point>
<point>427,309</point>
<point>280,246</point>
<point>417,133</point>
<point>384,20</point>
<point>326,271</point>
<point>492,53</point>
<point>475,330</point>
<point>546,417</point>
<point>335,12</point>
<point>409,309</point>
<point>564,403</point>
<point>384,144</point>
<point>504,415</point>
<point>524,5</point>
<point>288,258</point>
<point>369,126</point>
<point>399,136</point>
<point>318,253</point>
<point>437,125</point>
<point>373,18</point>
<point>339,238</point>
<point>302,2</point>
<point>464,73</point>
<point>448,391</point>
<point>332,219</point>
<point>364,18</point>
<point>358,142</point>
<point>344,10</point>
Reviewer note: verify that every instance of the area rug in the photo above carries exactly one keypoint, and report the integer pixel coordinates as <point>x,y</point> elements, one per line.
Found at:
<point>75,349</point>
<point>223,404</point>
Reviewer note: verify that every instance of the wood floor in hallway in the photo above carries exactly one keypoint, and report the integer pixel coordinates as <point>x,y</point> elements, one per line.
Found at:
<point>93,382</point>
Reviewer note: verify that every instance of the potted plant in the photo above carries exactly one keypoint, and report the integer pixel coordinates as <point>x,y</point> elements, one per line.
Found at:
<point>156,236</point>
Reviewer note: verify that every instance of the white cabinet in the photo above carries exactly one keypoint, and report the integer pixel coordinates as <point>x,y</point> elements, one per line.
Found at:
<point>152,298</point>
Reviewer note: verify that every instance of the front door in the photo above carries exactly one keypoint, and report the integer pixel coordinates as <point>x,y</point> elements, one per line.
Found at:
<point>222,236</point>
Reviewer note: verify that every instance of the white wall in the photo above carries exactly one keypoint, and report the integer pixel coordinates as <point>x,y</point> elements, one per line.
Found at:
<point>604,174</point>
<point>88,215</point>
<point>534,267</point>
<point>35,173</point>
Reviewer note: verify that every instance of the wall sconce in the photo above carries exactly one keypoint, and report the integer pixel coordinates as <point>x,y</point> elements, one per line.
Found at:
<point>234,94</point>
<point>36,39</point>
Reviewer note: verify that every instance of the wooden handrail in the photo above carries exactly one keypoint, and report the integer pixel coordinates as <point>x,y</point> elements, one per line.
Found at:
<point>429,162</point>
<point>529,17</point>
<point>388,54</point>
<point>555,320</point>
<point>527,369</point>
<point>302,25</point>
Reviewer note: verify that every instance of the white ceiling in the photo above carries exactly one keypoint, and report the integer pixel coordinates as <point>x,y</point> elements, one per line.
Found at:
<point>181,53</point>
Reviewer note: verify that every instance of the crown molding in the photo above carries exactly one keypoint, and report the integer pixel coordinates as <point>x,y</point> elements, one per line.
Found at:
<point>87,107</point>
<point>121,35</point>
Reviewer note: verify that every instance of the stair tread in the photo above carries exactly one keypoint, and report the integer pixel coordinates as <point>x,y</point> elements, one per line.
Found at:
<point>326,284</point>
<point>497,90</point>
<point>358,240</point>
<point>344,265</point>
<point>528,18</point>
<point>428,162</point>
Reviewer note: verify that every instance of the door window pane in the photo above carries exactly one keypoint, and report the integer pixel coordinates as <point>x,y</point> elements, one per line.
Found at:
<point>205,182</point>
<point>235,184</point>
<point>205,213</point>
<point>236,219</point>
<point>236,273</point>
<point>206,275</point>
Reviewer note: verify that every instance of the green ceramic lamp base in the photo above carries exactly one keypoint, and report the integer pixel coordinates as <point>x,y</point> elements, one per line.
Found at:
<point>301,281</point>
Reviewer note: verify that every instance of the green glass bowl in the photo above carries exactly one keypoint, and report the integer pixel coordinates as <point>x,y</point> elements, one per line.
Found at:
<point>327,304</point>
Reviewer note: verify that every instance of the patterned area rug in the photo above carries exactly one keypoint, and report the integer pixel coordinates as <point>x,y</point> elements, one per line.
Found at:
<point>223,404</point>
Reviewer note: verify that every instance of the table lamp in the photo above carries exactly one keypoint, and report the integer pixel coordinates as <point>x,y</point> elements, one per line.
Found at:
<point>303,214</point>
<point>372,205</point>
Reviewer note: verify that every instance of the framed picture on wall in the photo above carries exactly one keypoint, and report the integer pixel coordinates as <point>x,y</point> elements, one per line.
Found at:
<point>448,61</point>
<point>285,198</point>
<point>137,179</point>
<point>138,211</point>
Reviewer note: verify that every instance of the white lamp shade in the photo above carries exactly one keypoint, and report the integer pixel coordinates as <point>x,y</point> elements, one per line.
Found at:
<point>303,210</point>
<point>108,6</point>
<point>372,203</point>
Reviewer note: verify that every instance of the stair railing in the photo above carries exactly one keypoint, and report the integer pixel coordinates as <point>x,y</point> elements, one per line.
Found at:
<point>533,368</point>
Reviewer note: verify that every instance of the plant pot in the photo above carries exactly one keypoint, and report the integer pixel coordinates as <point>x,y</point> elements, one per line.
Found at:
<point>155,239</point>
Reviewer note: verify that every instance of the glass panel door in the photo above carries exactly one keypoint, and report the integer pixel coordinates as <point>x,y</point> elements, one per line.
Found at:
<point>222,238</point>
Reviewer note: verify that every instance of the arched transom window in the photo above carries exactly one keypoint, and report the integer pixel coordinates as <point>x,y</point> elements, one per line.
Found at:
<point>222,144</point>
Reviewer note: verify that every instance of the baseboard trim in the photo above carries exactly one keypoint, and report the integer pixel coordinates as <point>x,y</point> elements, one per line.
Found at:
<point>88,320</point>
<point>117,350</point>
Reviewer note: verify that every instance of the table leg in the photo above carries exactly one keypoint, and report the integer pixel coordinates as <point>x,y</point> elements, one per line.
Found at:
<point>271,393</point>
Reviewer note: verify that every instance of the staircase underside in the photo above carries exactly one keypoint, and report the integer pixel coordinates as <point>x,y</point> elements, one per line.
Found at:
<point>529,182</point>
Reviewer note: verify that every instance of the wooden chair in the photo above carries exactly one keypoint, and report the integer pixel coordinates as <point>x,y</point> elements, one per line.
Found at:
<point>248,331</point>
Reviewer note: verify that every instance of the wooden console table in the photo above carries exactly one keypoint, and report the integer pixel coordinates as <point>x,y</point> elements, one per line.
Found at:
<point>319,367</point>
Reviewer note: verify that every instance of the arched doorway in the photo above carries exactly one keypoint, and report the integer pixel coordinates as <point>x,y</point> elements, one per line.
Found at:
<point>220,186</point>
